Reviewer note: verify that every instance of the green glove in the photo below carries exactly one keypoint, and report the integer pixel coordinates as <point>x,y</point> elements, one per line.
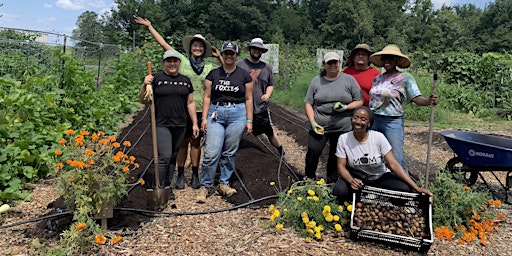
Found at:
<point>317,128</point>
<point>339,107</point>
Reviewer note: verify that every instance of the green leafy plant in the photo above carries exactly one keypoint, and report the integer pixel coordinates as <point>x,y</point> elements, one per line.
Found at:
<point>92,173</point>
<point>310,209</point>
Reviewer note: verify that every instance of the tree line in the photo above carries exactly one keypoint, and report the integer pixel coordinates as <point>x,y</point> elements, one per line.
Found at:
<point>412,24</point>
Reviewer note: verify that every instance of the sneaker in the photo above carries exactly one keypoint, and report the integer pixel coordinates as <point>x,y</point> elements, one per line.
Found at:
<point>203,193</point>
<point>226,190</point>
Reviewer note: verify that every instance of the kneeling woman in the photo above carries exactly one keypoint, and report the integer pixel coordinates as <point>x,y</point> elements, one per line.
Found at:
<point>362,157</point>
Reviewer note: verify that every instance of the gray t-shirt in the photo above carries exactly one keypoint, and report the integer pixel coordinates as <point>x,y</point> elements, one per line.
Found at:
<point>365,158</point>
<point>263,77</point>
<point>322,94</point>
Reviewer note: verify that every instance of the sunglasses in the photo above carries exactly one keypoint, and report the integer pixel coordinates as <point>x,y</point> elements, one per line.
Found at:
<point>388,57</point>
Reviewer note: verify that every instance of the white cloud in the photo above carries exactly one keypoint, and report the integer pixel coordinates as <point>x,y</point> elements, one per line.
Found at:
<point>46,5</point>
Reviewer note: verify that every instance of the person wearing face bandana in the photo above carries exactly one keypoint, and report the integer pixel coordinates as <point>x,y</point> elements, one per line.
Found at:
<point>196,68</point>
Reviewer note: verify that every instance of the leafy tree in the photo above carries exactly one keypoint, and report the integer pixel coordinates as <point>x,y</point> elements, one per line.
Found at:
<point>89,28</point>
<point>495,26</point>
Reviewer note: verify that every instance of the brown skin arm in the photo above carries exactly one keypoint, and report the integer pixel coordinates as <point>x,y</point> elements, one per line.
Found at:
<point>206,103</point>
<point>355,183</point>
<point>161,41</point>
<point>400,173</point>
<point>191,107</point>
<point>216,54</point>
<point>309,112</point>
<point>422,101</point>
<point>248,106</point>
<point>147,80</point>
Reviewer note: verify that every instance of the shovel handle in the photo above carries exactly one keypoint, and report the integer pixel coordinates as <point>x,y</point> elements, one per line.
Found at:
<point>148,64</point>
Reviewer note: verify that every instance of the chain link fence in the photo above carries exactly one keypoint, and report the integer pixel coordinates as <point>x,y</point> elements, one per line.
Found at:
<point>30,52</point>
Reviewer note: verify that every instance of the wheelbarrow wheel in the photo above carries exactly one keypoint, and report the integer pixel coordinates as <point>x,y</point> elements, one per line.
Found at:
<point>461,172</point>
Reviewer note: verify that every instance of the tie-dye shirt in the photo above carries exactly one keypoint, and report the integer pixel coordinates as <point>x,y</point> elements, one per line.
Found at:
<point>389,93</point>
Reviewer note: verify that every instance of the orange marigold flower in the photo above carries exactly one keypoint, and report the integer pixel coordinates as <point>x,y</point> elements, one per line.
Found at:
<point>136,165</point>
<point>80,226</point>
<point>70,132</point>
<point>58,152</point>
<point>100,239</point>
<point>69,161</point>
<point>112,139</point>
<point>141,181</point>
<point>91,162</point>
<point>62,141</point>
<point>101,134</point>
<point>71,179</point>
<point>79,142</point>
<point>501,216</point>
<point>103,142</point>
<point>89,152</point>
<point>59,166</point>
<point>95,137</point>
<point>126,169</point>
<point>497,203</point>
<point>466,188</point>
<point>116,145</point>
<point>483,242</point>
<point>116,239</point>
<point>476,217</point>
<point>116,159</point>
<point>84,133</point>
<point>127,143</point>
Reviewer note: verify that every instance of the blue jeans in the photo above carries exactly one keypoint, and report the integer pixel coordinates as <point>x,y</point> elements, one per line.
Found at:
<point>223,137</point>
<point>393,129</point>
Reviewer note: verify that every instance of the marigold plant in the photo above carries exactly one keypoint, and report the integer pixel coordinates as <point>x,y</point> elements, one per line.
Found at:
<point>309,208</point>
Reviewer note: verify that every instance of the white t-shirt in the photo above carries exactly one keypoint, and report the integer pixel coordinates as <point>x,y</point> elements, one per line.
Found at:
<point>365,158</point>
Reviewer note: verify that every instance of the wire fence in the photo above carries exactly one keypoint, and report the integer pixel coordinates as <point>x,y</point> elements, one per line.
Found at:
<point>37,52</point>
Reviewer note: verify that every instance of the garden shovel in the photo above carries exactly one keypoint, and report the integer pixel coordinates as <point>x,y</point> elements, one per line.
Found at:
<point>157,197</point>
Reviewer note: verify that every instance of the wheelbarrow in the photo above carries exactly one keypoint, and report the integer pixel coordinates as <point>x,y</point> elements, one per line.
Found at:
<point>476,153</point>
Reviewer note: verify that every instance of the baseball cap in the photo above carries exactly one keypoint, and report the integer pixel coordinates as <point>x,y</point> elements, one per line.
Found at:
<point>230,46</point>
<point>331,56</point>
<point>171,54</point>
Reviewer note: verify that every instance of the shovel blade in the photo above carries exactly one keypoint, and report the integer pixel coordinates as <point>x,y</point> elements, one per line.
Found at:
<point>153,202</point>
<point>163,196</point>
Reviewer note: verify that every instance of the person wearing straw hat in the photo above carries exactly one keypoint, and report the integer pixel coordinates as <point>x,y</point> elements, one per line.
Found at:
<point>389,92</point>
<point>365,157</point>
<point>358,65</point>
<point>263,79</point>
<point>329,102</point>
<point>196,68</point>
<point>173,99</point>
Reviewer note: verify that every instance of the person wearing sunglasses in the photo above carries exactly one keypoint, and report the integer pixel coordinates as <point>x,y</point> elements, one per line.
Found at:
<point>388,94</point>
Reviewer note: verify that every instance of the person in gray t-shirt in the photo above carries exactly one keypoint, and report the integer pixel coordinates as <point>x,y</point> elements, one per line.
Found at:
<point>329,103</point>
<point>263,79</point>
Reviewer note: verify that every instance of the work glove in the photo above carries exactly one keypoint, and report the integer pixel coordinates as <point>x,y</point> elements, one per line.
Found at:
<point>148,94</point>
<point>317,128</point>
<point>339,107</point>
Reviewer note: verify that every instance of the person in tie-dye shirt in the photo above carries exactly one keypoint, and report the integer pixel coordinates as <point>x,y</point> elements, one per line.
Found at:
<point>389,92</point>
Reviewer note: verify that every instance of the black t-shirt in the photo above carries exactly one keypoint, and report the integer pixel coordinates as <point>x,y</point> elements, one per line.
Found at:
<point>228,87</point>
<point>171,95</point>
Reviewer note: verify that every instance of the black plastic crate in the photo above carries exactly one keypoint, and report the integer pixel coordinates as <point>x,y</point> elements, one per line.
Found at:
<point>412,203</point>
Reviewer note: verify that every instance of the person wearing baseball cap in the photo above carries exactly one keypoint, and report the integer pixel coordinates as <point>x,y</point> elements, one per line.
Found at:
<point>227,113</point>
<point>329,102</point>
<point>389,92</point>
<point>358,65</point>
<point>173,98</point>
<point>263,79</point>
<point>196,68</point>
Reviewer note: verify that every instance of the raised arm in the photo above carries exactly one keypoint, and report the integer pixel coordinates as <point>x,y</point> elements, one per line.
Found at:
<point>154,33</point>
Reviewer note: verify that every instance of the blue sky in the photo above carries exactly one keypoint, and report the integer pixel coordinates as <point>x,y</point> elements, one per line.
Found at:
<point>60,16</point>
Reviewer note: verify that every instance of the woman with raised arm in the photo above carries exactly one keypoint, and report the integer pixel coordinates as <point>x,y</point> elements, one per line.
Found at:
<point>196,69</point>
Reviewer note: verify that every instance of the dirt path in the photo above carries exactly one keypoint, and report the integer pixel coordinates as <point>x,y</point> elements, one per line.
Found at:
<point>240,231</point>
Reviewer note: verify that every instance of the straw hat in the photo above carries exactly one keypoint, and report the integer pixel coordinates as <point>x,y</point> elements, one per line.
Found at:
<point>391,49</point>
<point>257,43</point>
<point>207,46</point>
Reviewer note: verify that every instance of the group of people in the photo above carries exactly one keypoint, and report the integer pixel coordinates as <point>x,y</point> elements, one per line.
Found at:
<point>227,100</point>
<point>357,110</point>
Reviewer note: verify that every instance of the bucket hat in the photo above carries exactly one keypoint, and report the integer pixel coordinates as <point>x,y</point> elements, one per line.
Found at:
<point>230,46</point>
<point>361,47</point>
<point>391,49</point>
<point>257,43</point>
<point>187,40</point>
